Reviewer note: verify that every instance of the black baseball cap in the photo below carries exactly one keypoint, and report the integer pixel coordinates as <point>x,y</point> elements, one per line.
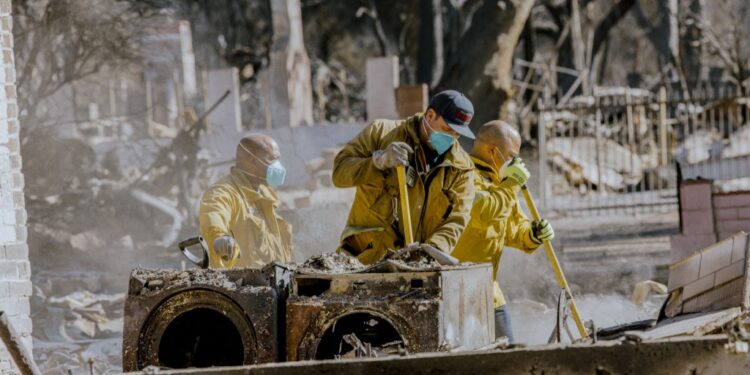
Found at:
<point>456,109</point>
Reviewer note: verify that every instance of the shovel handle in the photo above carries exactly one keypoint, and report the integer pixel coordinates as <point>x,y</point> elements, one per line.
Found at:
<point>556,265</point>
<point>403,197</point>
<point>201,262</point>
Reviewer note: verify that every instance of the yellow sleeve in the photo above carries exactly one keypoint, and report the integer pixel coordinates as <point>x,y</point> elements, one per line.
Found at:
<point>217,209</point>
<point>446,236</point>
<point>353,164</point>
<point>518,231</point>
<point>487,205</point>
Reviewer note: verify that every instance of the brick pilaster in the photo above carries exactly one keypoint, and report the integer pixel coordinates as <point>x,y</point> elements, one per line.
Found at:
<point>15,271</point>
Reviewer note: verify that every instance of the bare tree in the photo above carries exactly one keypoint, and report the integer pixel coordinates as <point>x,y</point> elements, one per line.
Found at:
<point>58,42</point>
<point>721,35</point>
<point>225,32</point>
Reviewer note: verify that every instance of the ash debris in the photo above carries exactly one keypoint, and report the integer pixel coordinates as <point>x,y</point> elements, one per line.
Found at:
<point>416,260</point>
<point>331,262</point>
<point>398,261</point>
<point>78,321</point>
<point>154,280</point>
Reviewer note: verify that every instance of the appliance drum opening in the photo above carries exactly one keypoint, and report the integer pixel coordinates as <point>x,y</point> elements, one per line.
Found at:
<point>201,338</point>
<point>359,335</point>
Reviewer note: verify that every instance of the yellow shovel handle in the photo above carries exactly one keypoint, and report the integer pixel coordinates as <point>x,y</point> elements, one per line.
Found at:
<point>556,265</point>
<point>404,199</point>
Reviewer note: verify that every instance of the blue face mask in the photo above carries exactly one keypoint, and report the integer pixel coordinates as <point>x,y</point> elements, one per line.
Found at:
<point>440,141</point>
<point>275,174</point>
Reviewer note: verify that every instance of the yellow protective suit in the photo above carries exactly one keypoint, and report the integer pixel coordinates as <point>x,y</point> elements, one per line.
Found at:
<point>496,221</point>
<point>233,207</point>
<point>440,198</point>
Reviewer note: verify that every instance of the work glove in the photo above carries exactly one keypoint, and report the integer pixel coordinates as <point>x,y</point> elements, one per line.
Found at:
<point>395,154</point>
<point>515,171</point>
<point>541,230</point>
<point>224,247</point>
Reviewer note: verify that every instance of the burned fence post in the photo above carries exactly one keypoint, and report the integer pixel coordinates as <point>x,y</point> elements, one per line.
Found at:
<point>16,348</point>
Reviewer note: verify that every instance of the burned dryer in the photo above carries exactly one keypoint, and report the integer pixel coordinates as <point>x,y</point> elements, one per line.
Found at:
<point>371,314</point>
<point>204,317</point>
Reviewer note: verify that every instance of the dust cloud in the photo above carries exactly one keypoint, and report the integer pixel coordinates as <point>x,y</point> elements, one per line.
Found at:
<point>531,289</point>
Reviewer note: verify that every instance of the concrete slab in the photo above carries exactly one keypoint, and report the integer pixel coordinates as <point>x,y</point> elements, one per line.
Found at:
<point>382,81</point>
<point>695,324</point>
<point>227,114</point>
<point>710,354</point>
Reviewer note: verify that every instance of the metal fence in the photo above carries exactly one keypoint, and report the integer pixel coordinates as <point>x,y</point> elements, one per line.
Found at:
<point>616,152</point>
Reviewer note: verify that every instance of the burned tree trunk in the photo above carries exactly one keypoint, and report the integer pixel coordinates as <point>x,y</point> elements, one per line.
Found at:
<point>430,53</point>
<point>613,17</point>
<point>484,58</point>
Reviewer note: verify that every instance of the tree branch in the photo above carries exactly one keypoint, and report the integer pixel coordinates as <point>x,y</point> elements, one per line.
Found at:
<point>615,14</point>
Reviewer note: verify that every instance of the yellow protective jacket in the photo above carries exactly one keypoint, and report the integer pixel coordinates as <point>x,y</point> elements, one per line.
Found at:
<point>234,207</point>
<point>440,199</point>
<point>496,221</point>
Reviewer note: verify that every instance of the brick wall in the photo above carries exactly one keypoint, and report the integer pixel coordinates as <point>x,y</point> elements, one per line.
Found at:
<point>707,217</point>
<point>15,284</point>
<point>696,220</point>
<point>732,213</point>
<point>713,278</point>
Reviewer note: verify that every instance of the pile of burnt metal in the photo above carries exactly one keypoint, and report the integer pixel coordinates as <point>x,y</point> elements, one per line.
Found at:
<point>328,308</point>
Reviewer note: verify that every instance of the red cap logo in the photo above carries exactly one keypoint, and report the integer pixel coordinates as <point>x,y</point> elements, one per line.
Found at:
<point>463,116</point>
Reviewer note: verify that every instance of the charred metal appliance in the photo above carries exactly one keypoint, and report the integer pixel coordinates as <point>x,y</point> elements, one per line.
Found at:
<point>368,314</point>
<point>204,317</point>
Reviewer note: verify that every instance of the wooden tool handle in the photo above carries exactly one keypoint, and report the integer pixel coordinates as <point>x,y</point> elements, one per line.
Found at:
<point>403,197</point>
<point>556,265</point>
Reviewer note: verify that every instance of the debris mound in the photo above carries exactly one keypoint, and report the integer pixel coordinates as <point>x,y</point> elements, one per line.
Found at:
<point>155,279</point>
<point>331,262</point>
<point>415,260</point>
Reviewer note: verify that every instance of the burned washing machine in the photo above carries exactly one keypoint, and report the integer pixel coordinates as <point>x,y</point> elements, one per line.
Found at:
<point>371,314</point>
<point>204,317</point>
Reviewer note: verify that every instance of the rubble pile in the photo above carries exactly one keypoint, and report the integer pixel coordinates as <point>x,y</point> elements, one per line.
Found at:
<point>331,262</point>
<point>577,159</point>
<point>414,260</point>
<point>78,332</point>
<point>616,146</point>
<point>156,279</point>
<point>320,169</point>
<point>77,306</point>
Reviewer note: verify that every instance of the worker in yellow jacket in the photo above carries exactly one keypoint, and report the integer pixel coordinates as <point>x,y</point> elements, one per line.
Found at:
<point>238,215</point>
<point>439,180</point>
<point>496,219</point>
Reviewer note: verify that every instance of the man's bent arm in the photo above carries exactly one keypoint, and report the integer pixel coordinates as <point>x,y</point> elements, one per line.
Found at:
<point>353,165</point>
<point>215,215</point>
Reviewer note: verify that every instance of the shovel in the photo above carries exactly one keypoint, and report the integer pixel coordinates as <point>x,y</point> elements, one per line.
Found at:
<point>404,200</point>
<point>441,257</point>
<point>556,266</point>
